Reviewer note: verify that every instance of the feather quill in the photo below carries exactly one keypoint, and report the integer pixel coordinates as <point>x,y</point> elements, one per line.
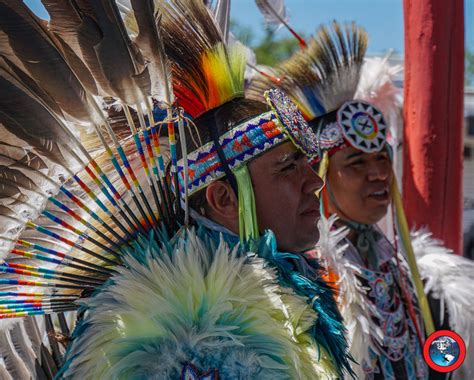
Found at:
<point>274,11</point>
<point>13,363</point>
<point>222,17</point>
<point>150,42</point>
<point>113,59</point>
<point>29,42</point>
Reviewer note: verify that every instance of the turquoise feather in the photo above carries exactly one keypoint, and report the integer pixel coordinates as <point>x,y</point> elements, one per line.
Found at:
<point>328,331</point>
<point>193,300</point>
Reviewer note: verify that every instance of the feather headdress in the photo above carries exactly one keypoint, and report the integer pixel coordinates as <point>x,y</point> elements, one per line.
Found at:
<point>322,77</point>
<point>83,179</point>
<point>76,185</point>
<point>208,77</point>
<point>323,82</point>
<point>206,72</point>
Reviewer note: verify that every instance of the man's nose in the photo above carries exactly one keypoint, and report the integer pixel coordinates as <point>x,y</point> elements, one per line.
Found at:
<point>378,171</point>
<point>312,182</point>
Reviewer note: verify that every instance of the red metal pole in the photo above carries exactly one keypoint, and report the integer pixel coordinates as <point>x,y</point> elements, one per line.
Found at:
<point>433,111</point>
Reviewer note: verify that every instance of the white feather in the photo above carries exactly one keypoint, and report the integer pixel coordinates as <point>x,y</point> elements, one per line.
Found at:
<point>22,346</point>
<point>13,363</point>
<point>192,303</point>
<point>352,305</point>
<point>274,11</point>
<point>222,17</point>
<point>376,86</point>
<point>376,83</point>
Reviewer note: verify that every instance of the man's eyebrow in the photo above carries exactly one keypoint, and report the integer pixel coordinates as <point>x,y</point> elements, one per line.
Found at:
<point>353,155</point>
<point>290,156</point>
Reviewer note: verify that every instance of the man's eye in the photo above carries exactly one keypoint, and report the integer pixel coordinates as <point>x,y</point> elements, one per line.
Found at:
<point>289,167</point>
<point>356,163</point>
<point>382,157</point>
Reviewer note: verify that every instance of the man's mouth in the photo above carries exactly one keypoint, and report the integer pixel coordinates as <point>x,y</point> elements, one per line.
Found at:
<point>313,212</point>
<point>380,195</point>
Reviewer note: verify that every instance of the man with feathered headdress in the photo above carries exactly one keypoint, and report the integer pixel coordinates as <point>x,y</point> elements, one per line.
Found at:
<point>380,296</point>
<point>208,283</point>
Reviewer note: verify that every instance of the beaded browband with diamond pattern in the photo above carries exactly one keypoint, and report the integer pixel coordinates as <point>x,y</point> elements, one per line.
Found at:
<point>247,141</point>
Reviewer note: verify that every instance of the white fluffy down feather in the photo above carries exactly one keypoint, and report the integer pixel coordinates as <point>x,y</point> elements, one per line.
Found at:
<point>201,304</point>
<point>352,305</point>
<point>376,85</point>
<point>447,276</point>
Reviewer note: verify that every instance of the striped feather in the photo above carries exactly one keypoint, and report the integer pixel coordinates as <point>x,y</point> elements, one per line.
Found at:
<point>321,77</point>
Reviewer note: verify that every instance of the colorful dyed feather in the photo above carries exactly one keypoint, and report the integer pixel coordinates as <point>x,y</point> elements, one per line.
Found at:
<point>274,12</point>
<point>321,77</point>
<point>207,73</point>
<point>86,204</point>
<point>200,300</point>
<point>72,183</point>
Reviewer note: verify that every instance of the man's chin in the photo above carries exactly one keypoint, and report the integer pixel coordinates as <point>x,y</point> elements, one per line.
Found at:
<point>309,241</point>
<point>376,215</point>
<point>299,246</point>
<point>300,239</point>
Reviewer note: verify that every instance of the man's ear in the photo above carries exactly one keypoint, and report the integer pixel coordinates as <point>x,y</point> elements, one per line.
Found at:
<point>223,205</point>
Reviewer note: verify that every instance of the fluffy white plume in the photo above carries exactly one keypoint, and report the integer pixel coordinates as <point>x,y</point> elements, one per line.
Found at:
<point>353,307</point>
<point>376,86</point>
<point>220,310</point>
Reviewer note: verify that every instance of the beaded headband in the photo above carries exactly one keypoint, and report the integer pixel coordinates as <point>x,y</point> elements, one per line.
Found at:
<point>248,140</point>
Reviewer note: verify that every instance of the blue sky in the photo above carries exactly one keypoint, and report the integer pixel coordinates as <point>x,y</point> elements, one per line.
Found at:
<point>383,19</point>
<point>305,16</point>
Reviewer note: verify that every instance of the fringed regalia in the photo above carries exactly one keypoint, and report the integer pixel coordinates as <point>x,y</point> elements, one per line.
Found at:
<point>380,289</point>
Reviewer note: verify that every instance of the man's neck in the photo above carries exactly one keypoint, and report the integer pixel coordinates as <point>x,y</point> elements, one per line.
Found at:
<point>210,224</point>
<point>355,231</point>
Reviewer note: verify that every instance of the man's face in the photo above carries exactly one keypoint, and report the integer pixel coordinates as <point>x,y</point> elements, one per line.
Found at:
<point>284,186</point>
<point>359,185</point>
